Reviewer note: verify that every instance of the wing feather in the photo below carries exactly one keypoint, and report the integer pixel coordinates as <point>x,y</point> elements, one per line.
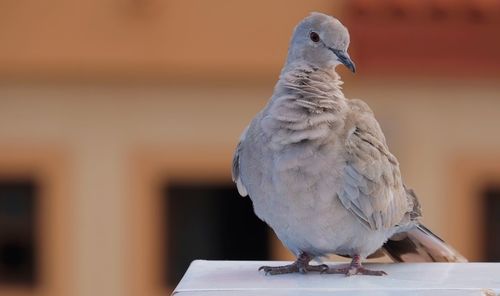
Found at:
<point>236,166</point>
<point>372,188</point>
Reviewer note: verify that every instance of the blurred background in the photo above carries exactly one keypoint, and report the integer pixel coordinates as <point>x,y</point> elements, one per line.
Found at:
<point>118,120</point>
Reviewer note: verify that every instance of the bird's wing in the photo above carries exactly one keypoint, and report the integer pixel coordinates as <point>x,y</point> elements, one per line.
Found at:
<point>236,166</point>
<point>372,188</point>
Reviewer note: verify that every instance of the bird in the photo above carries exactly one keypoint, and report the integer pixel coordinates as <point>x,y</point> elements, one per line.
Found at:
<point>319,172</point>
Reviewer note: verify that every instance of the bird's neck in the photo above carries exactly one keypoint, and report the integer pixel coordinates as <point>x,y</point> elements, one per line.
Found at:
<point>307,103</point>
<point>311,89</point>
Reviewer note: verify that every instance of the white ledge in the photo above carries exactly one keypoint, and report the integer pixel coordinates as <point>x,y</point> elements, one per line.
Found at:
<point>210,278</point>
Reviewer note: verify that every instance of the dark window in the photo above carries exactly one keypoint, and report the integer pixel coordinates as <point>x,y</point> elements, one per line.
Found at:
<point>210,221</point>
<point>17,232</point>
<point>492,223</point>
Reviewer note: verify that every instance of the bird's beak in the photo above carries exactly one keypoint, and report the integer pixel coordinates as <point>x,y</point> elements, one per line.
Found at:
<point>345,59</point>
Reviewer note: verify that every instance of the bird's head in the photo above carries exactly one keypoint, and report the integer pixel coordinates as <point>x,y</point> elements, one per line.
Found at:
<point>320,40</point>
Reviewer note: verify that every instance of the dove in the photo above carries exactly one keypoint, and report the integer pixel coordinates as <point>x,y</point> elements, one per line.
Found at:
<point>318,170</point>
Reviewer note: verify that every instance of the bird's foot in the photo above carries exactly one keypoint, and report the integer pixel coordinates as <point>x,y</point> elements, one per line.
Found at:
<point>316,268</point>
<point>301,265</point>
<point>353,270</point>
<point>292,268</point>
<point>273,270</point>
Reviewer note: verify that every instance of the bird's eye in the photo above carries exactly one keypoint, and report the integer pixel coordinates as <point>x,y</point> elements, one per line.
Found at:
<point>314,36</point>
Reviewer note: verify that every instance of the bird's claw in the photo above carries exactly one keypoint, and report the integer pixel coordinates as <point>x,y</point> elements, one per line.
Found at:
<point>320,268</point>
<point>292,268</point>
<point>354,270</point>
<point>273,270</point>
<point>364,271</point>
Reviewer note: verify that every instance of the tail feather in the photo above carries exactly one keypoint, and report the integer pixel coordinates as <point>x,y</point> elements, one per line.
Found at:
<point>419,244</point>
